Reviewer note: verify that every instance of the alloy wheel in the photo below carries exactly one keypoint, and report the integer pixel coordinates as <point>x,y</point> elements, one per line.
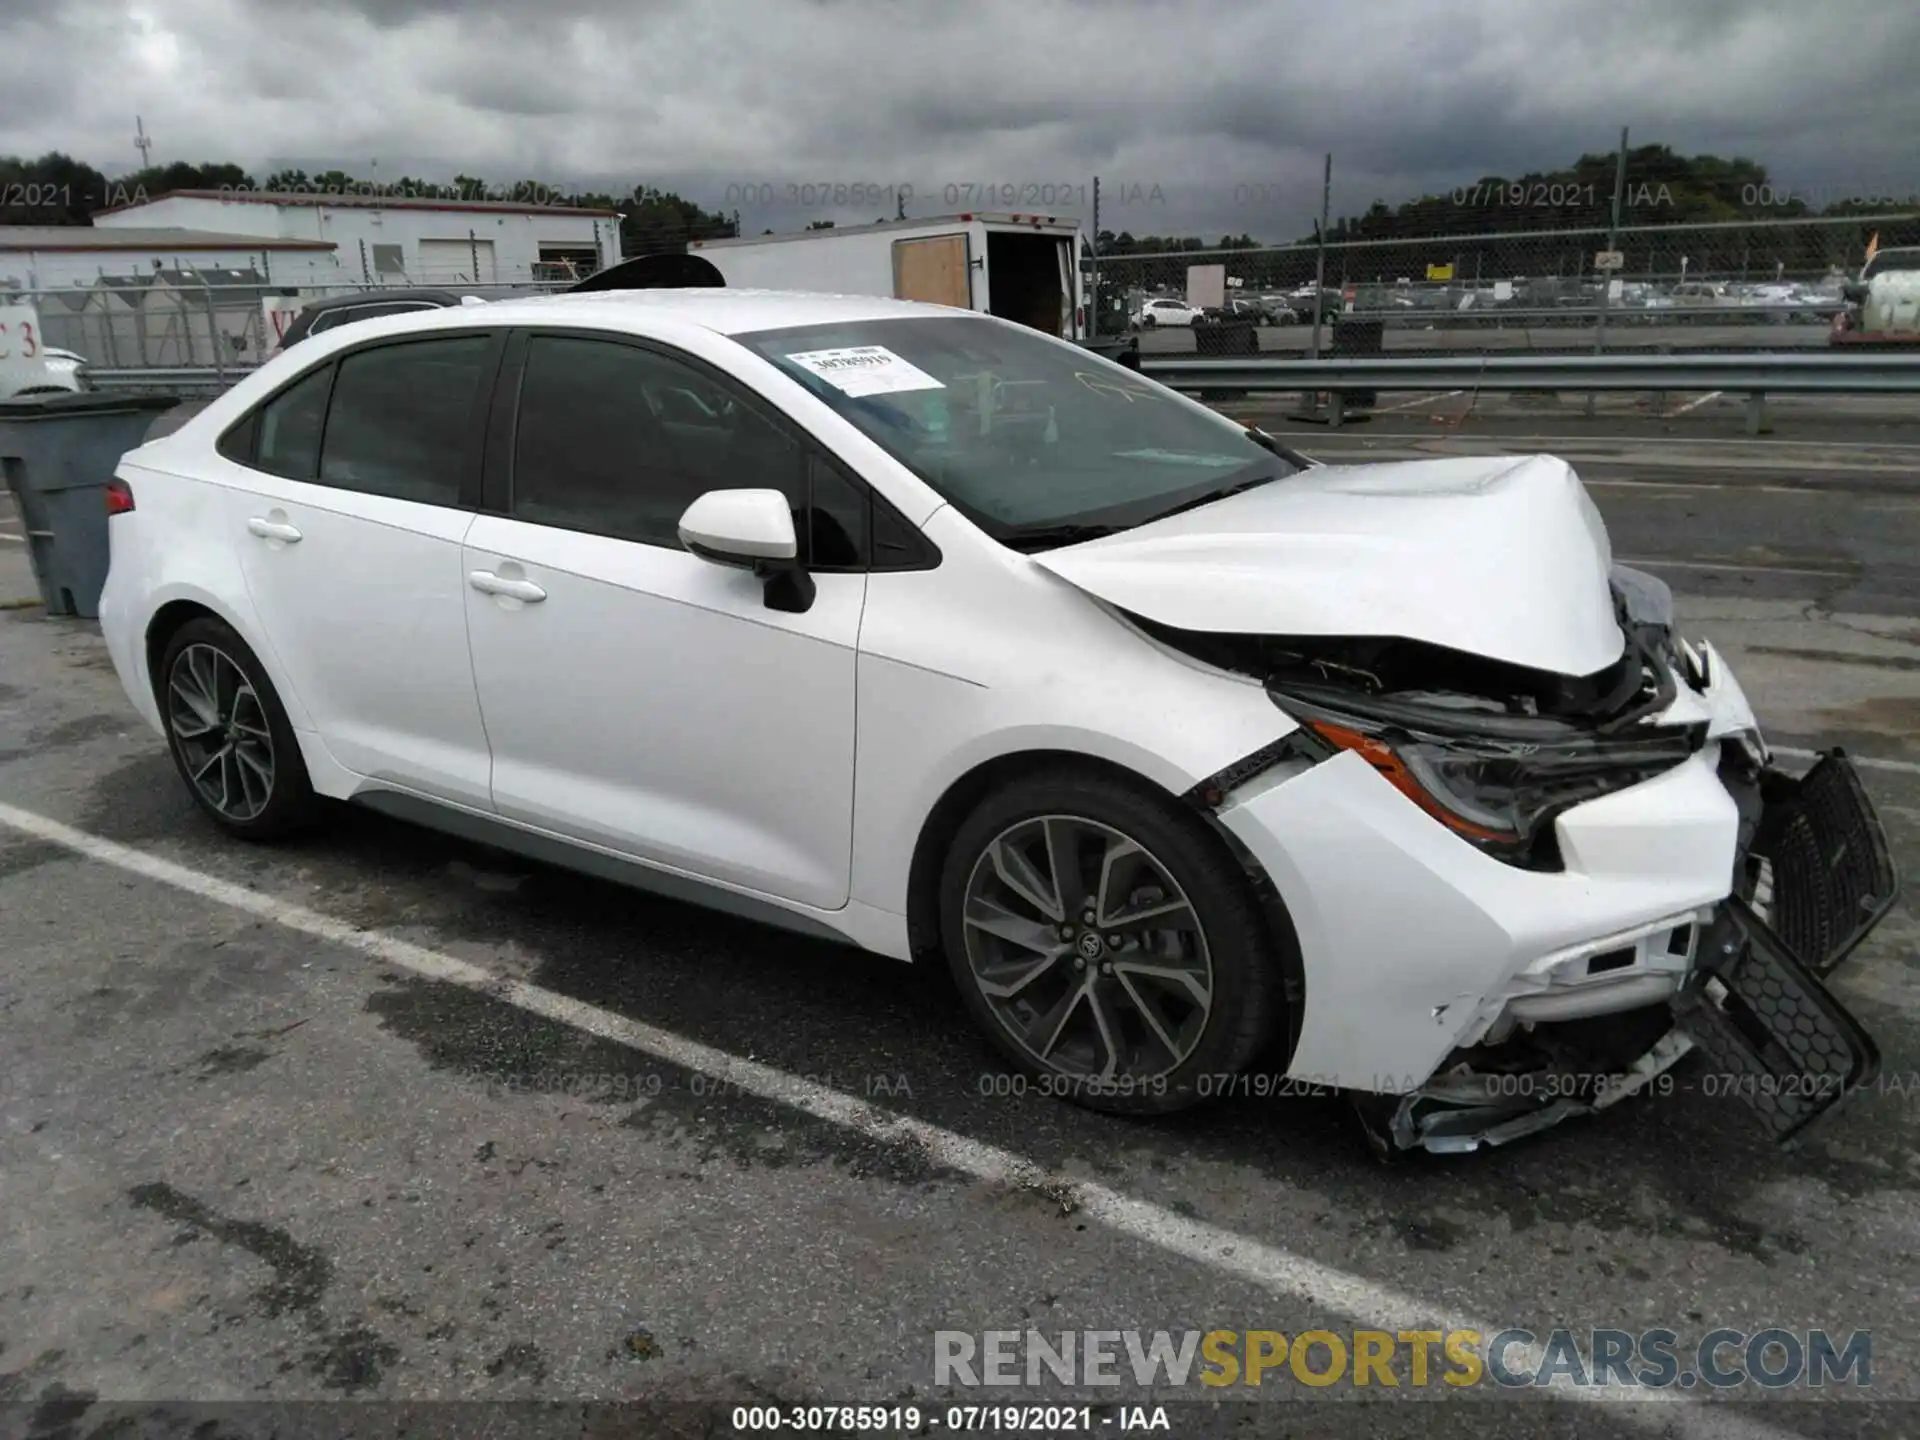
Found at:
<point>220,729</point>
<point>1087,950</point>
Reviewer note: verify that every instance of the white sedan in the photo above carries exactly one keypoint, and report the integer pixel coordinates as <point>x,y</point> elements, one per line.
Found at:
<point>61,370</point>
<point>929,633</point>
<point>1166,312</point>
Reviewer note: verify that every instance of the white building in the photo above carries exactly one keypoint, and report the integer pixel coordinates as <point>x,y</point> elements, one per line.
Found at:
<point>394,240</point>
<point>74,257</point>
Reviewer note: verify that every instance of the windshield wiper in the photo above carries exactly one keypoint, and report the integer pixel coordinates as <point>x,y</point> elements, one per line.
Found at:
<point>1212,495</point>
<point>1046,537</point>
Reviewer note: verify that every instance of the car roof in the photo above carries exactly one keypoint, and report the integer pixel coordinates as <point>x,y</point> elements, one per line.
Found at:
<point>723,311</point>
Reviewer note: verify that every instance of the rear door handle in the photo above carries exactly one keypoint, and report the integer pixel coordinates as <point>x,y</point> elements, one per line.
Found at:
<point>488,583</point>
<point>272,529</point>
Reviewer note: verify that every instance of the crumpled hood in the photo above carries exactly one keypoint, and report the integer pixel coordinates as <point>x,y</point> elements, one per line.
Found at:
<point>1500,556</point>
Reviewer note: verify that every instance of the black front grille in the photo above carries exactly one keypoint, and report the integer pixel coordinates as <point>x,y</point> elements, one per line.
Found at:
<point>1833,875</point>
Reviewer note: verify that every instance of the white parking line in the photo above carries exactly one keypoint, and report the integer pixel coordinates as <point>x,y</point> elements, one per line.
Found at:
<point>15,539</point>
<point>1691,485</point>
<point>1750,567</point>
<point>1696,404</point>
<point>1894,449</point>
<point>1367,1303</point>
<point>1417,401</point>
<point>1865,762</point>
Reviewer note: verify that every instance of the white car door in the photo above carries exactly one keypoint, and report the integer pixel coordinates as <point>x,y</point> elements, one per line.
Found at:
<point>636,697</point>
<point>349,541</point>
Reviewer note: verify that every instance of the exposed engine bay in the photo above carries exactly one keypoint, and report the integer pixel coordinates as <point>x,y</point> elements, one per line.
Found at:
<point>1413,673</point>
<point>1492,749</point>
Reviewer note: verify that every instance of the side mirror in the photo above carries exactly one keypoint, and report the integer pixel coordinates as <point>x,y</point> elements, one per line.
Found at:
<point>751,530</point>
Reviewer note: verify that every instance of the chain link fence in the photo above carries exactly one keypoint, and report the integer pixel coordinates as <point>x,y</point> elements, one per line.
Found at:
<point>1740,286</point>
<point>193,327</point>
<point>224,327</point>
<point>1694,286</point>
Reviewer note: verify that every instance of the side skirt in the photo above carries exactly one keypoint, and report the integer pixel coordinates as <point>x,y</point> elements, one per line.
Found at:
<point>553,850</point>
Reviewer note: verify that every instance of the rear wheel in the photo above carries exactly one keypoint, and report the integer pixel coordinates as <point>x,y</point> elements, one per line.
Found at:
<point>229,734</point>
<point>1107,943</point>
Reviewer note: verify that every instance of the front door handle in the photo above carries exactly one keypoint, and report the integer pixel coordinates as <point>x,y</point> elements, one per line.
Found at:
<point>488,583</point>
<point>272,529</point>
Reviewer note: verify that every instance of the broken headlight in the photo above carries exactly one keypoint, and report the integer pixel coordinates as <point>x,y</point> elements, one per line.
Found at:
<point>1497,781</point>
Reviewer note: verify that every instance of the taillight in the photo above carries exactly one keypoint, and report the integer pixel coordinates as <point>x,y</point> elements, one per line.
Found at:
<point>119,497</point>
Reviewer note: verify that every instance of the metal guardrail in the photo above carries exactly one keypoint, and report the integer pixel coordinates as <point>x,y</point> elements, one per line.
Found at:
<point>1629,311</point>
<point>169,378</point>
<point>1635,311</point>
<point>1754,375</point>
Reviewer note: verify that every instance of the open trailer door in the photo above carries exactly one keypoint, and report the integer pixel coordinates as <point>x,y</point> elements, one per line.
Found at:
<point>1070,311</point>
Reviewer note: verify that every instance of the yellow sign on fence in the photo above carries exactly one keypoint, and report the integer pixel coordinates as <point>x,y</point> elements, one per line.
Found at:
<point>1439,272</point>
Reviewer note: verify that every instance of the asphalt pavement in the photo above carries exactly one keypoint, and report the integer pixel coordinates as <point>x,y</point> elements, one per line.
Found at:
<point>378,1116</point>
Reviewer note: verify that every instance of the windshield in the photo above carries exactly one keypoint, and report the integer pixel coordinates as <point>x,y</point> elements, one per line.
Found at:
<point>1027,436</point>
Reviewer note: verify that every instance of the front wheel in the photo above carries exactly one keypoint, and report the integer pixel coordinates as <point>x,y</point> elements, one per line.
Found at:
<point>1107,943</point>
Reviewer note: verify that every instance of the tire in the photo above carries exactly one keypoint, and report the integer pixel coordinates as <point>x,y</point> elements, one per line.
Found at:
<point>207,661</point>
<point>1185,1052</point>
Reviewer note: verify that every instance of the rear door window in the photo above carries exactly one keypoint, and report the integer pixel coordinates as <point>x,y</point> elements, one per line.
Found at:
<point>402,416</point>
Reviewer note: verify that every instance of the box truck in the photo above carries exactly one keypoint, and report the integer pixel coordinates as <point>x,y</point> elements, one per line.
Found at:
<point>1024,268</point>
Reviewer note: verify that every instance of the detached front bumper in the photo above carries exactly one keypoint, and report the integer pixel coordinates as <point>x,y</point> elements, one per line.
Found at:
<point>1823,878</point>
<point>1752,1000</point>
<point>1468,1002</point>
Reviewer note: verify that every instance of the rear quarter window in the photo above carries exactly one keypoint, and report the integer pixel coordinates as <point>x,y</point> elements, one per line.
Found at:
<point>283,436</point>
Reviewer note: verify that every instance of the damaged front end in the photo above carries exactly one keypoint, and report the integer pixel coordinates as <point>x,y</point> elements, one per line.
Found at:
<point>1497,754</point>
<point>1818,869</point>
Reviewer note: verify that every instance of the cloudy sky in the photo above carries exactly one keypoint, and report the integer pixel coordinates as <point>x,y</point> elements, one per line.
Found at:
<point>1198,115</point>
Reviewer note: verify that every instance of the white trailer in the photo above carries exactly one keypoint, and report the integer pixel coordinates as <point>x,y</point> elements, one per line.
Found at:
<point>1024,268</point>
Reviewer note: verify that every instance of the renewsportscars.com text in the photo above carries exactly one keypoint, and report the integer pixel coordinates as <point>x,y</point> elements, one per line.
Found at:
<point>1655,1359</point>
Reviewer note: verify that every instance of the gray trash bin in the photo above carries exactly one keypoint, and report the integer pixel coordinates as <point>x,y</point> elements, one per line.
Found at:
<point>59,451</point>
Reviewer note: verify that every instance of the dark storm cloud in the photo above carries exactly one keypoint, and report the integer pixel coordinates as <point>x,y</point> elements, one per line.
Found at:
<point>1200,116</point>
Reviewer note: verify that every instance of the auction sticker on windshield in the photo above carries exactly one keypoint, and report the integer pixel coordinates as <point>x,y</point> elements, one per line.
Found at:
<point>866,370</point>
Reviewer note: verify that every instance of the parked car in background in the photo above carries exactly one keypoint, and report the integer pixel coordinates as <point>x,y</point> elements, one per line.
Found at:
<point>324,315</point>
<point>1700,292</point>
<point>1284,310</point>
<point>63,370</point>
<point>1782,302</point>
<point>1165,312</point>
<point>1261,310</point>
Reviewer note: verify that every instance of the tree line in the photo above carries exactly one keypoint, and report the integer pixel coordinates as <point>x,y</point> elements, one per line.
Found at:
<point>57,189</point>
<point>1660,188</point>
